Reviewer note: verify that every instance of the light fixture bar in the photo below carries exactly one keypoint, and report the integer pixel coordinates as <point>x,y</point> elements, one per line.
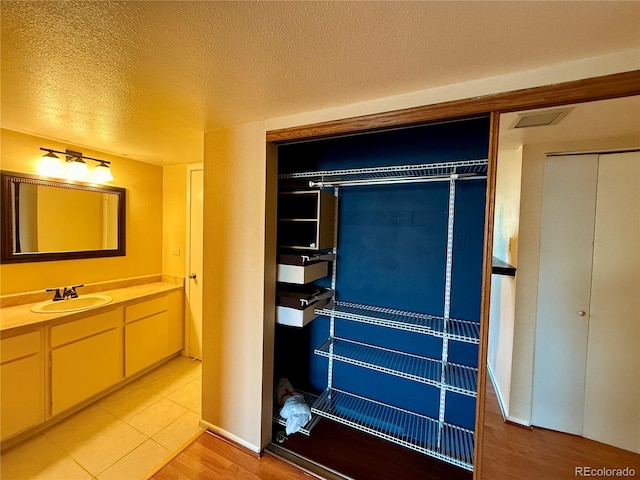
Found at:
<point>71,153</point>
<point>76,168</point>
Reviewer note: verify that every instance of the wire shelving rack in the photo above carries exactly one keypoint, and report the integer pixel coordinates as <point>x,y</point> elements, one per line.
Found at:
<point>424,434</point>
<point>431,436</point>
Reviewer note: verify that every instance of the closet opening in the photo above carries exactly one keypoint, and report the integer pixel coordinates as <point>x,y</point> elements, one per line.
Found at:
<point>380,256</point>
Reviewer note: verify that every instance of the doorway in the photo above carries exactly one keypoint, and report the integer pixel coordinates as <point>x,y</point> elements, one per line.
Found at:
<point>193,314</point>
<point>587,365</point>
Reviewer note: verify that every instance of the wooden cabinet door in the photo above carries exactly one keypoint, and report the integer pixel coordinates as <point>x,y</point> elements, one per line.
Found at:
<point>146,342</point>
<point>84,368</point>
<point>22,401</point>
<point>176,322</point>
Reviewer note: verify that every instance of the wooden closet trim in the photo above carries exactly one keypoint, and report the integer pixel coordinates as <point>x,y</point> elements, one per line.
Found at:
<point>586,90</point>
<point>489,212</point>
<point>577,91</point>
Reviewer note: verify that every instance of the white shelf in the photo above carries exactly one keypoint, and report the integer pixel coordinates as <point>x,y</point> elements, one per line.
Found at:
<point>460,330</point>
<point>409,429</point>
<point>355,176</point>
<point>310,399</point>
<point>459,378</point>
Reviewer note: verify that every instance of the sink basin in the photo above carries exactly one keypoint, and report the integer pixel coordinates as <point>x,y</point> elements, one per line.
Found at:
<point>81,303</point>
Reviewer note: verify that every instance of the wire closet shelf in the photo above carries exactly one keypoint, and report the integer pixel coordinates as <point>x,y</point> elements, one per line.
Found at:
<point>460,330</point>
<point>309,399</point>
<point>462,169</point>
<point>402,427</point>
<point>458,378</point>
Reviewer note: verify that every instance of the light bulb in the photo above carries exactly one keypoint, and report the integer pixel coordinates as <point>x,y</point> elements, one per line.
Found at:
<point>77,169</point>
<point>102,173</point>
<point>50,165</point>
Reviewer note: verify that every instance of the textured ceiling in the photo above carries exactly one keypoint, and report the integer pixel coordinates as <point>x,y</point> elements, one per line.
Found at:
<point>615,118</point>
<point>145,79</point>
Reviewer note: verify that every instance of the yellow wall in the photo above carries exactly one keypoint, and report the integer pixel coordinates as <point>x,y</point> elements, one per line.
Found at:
<point>503,287</point>
<point>174,201</point>
<point>143,182</point>
<point>234,285</point>
<point>236,318</point>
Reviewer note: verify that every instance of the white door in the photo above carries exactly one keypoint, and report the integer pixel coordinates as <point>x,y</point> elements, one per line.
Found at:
<point>587,353</point>
<point>566,249</point>
<point>193,337</point>
<point>612,391</point>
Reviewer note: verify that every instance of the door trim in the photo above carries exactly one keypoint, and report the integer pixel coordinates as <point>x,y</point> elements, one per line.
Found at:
<point>576,91</point>
<point>191,167</point>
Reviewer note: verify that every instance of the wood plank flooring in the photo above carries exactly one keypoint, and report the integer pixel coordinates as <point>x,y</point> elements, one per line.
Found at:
<point>364,457</point>
<point>512,452</point>
<point>211,457</point>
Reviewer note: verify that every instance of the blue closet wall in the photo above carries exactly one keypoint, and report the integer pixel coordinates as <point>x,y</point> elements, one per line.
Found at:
<point>392,253</point>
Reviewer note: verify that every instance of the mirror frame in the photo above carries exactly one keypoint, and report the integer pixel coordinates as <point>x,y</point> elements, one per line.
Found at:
<point>6,245</point>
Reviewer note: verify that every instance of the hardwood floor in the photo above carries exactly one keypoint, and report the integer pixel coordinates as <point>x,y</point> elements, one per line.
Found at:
<point>350,453</point>
<point>211,457</point>
<point>512,452</point>
<point>361,456</point>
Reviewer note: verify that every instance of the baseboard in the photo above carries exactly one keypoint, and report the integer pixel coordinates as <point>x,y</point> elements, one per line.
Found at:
<point>505,416</point>
<point>231,437</point>
<point>498,392</point>
<point>518,422</point>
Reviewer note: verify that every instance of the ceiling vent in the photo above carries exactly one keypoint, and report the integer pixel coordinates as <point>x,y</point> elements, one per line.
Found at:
<point>540,118</point>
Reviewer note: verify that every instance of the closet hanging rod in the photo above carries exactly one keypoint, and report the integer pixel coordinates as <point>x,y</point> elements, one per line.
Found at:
<point>424,169</point>
<point>390,180</point>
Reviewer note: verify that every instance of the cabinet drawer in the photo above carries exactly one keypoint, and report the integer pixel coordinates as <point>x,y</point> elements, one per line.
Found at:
<point>298,317</point>
<point>296,305</point>
<point>20,346</point>
<point>301,274</point>
<point>146,309</point>
<point>69,332</point>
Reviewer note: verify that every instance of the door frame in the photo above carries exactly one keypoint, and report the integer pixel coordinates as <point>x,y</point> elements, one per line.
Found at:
<point>605,87</point>
<point>191,167</point>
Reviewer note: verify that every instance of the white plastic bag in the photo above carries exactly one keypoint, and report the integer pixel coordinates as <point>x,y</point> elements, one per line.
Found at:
<point>294,409</point>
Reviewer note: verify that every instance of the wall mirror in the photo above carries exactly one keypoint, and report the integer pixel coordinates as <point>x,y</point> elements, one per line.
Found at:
<point>45,220</point>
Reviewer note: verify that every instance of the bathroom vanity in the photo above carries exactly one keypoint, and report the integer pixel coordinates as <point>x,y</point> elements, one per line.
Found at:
<point>52,364</point>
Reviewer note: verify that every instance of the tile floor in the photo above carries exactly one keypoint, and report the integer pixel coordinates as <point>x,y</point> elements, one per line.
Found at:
<point>124,436</point>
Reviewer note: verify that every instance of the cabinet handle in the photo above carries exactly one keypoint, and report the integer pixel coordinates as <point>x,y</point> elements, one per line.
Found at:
<point>192,276</point>
<point>582,313</point>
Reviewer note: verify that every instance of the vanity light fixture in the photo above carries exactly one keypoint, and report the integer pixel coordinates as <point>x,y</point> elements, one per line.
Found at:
<point>51,165</point>
<point>102,173</point>
<point>76,168</point>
